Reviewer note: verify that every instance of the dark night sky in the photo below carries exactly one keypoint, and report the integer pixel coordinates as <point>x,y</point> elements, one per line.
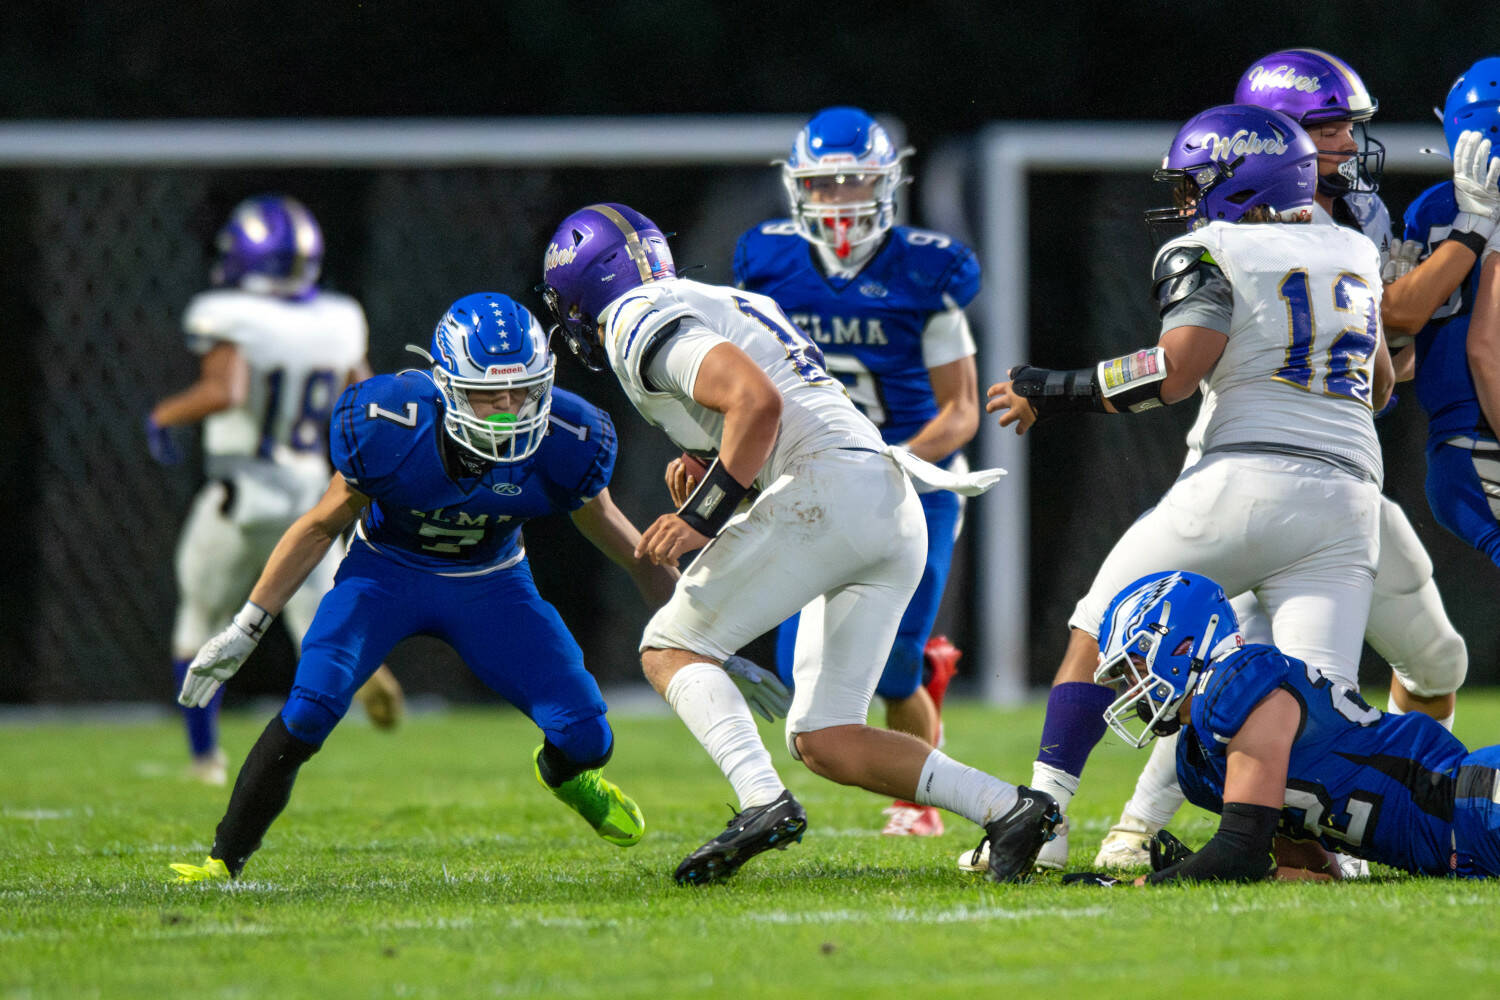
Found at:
<point>942,66</point>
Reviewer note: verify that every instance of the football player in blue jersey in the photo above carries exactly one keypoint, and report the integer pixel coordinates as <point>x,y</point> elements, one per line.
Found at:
<point>440,469</point>
<point>1408,625</point>
<point>1276,747</point>
<point>1458,353</point>
<point>275,350</point>
<point>885,305</point>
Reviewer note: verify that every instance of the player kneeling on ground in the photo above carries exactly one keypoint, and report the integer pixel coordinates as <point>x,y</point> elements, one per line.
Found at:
<point>1274,746</point>
<point>438,551</point>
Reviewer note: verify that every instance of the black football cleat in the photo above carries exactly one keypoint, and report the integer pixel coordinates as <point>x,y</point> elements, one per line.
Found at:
<point>1017,837</point>
<point>757,829</point>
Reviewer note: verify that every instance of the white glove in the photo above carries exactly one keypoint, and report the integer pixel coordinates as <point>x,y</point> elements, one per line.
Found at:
<point>222,655</point>
<point>1402,256</point>
<point>762,689</point>
<point>1475,177</point>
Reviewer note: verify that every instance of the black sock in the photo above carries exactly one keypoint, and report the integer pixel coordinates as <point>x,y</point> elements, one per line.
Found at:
<point>556,769</point>
<point>260,793</point>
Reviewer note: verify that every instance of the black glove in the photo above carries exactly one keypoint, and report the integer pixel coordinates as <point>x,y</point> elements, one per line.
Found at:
<point>1167,850</point>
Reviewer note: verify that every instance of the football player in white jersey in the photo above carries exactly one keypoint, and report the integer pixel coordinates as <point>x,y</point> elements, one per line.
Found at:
<point>1281,324</point>
<point>275,352</point>
<point>1408,626</point>
<point>830,524</point>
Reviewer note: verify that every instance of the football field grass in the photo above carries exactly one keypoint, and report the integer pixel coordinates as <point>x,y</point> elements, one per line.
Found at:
<point>428,863</point>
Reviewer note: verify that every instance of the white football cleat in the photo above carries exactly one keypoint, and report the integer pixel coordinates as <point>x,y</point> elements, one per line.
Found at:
<point>1352,867</point>
<point>1054,853</point>
<point>1126,846</point>
<point>211,769</point>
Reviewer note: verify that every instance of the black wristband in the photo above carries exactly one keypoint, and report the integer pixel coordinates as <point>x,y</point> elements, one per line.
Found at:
<point>1468,238</point>
<point>713,503</point>
<point>1051,391</point>
<point>1239,852</point>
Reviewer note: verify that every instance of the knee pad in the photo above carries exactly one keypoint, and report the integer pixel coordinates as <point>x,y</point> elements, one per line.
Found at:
<point>587,744</point>
<point>903,670</point>
<point>310,716</point>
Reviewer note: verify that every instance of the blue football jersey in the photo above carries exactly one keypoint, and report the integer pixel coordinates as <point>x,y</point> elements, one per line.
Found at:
<point>868,326</point>
<point>1377,786</point>
<point>387,440</point>
<point>1444,383</point>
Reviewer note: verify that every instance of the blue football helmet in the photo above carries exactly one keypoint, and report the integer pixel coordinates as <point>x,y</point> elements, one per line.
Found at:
<point>1155,638</point>
<point>484,342</point>
<point>1233,158</point>
<point>271,245</point>
<point>1473,103</point>
<point>841,179</point>
<point>597,254</point>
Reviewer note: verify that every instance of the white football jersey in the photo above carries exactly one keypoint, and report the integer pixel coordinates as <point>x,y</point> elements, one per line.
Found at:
<point>816,412</point>
<point>1297,373</point>
<point>300,352</point>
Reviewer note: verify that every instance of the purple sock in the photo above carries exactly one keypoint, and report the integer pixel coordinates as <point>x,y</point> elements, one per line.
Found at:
<point>1074,724</point>
<point>202,723</point>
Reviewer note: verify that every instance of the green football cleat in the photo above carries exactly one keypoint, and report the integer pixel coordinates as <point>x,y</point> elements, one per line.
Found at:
<point>613,814</point>
<point>212,870</point>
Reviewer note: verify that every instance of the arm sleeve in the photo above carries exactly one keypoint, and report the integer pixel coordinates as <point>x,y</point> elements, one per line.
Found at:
<point>1210,306</point>
<point>946,338</point>
<point>1239,852</point>
<point>674,365</point>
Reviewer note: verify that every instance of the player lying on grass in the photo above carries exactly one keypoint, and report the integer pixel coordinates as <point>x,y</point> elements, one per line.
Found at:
<point>441,469</point>
<point>1275,747</point>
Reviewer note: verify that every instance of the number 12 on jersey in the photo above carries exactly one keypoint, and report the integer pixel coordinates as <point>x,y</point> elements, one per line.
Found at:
<point>1342,367</point>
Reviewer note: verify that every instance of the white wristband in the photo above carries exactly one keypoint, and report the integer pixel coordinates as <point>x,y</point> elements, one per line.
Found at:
<point>253,620</point>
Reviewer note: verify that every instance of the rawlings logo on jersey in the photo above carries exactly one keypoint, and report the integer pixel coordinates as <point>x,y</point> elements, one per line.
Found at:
<point>838,330</point>
<point>1242,143</point>
<point>1283,78</point>
<point>873,290</point>
<point>557,256</point>
<point>507,489</point>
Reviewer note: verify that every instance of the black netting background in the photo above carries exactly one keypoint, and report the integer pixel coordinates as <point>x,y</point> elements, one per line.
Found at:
<point>98,264</point>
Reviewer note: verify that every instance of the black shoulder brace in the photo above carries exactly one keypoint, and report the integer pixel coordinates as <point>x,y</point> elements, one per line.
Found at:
<point>1179,273</point>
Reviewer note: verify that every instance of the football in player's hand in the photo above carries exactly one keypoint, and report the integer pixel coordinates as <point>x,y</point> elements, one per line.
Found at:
<point>694,468</point>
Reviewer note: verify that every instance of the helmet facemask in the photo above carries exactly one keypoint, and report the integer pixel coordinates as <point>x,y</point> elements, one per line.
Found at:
<point>500,437</point>
<point>842,206</point>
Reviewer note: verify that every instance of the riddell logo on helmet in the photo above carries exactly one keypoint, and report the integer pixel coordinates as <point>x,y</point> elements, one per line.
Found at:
<point>1283,78</point>
<point>557,256</point>
<point>1242,143</point>
<point>494,370</point>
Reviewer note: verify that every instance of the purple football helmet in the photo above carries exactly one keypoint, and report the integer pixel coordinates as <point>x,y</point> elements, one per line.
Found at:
<point>1473,103</point>
<point>1312,87</point>
<point>1233,158</point>
<point>271,245</point>
<point>596,255</point>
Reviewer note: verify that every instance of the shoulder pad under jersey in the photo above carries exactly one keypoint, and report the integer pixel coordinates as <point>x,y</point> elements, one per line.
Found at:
<point>633,329</point>
<point>579,451</point>
<point>1180,270</point>
<point>939,265</point>
<point>1434,207</point>
<point>378,423</point>
<point>760,253</point>
<point>1233,685</point>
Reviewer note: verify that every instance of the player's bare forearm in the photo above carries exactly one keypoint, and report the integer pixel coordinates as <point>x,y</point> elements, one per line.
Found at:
<point>1255,769</point>
<point>955,386</point>
<point>1409,301</point>
<point>612,533</point>
<point>305,543</point>
<point>223,383</point>
<point>1483,344</point>
<point>731,383</point>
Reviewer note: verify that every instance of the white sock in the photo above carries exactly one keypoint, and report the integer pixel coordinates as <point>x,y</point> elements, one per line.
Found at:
<point>707,701</point>
<point>1055,782</point>
<point>966,790</point>
<point>1392,709</point>
<point>1157,795</point>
